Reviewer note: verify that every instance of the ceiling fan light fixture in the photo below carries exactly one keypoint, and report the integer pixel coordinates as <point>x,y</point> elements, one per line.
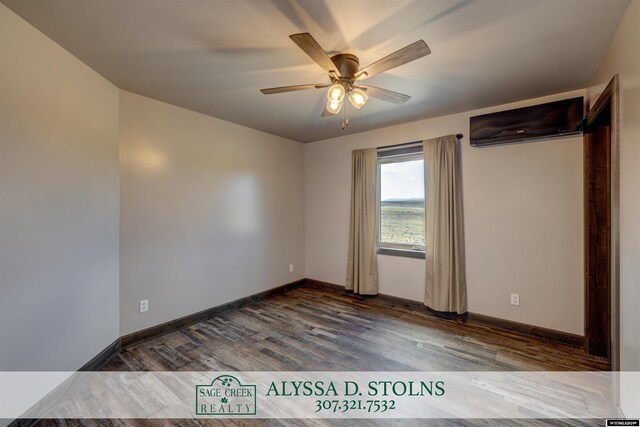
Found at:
<point>360,76</point>
<point>358,98</point>
<point>334,106</point>
<point>336,93</point>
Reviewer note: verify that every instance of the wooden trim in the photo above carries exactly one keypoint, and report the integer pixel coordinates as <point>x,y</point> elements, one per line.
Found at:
<point>527,330</point>
<point>597,238</point>
<point>173,325</point>
<point>471,318</point>
<point>610,97</point>
<point>615,227</point>
<point>103,357</point>
<point>615,239</point>
<point>601,102</point>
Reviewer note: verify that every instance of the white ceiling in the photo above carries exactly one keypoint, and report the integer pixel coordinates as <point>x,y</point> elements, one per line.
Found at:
<point>213,56</point>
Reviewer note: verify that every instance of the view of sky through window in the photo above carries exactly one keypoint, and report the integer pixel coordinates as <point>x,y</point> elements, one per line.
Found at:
<point>402,180</point>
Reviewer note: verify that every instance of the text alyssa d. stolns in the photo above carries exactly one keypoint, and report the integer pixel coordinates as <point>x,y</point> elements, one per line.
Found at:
<point>351,388</point>
<point>346,396</point>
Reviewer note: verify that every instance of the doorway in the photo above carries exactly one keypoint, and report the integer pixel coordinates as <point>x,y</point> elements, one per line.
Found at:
<point>601,206</point>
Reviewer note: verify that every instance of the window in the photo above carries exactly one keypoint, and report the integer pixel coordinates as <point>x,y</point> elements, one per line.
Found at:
<point>401,202</point>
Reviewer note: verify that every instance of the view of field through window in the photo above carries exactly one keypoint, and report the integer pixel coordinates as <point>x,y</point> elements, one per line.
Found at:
<point>402,204</point>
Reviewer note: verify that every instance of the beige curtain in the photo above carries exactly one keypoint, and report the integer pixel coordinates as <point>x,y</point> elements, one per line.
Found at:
<point>446,287</point>
<point>362,269</point>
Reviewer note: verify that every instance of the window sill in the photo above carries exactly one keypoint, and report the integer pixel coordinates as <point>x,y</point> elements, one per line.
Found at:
<point>401,252</point>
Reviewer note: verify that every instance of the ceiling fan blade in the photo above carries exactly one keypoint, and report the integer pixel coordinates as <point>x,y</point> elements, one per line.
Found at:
<point>281,89</point>
<point>323,85</point>
<point>385,94</point>
<point>311,47</point>
<point>406,54</point>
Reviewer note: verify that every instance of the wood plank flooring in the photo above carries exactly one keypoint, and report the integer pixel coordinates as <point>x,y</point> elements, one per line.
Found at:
<point>311,329</point>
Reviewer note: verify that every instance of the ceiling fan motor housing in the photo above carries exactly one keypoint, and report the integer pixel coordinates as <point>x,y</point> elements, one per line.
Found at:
<point>347,64</point>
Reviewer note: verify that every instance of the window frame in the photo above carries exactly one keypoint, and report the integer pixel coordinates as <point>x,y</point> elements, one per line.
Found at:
<point>395,155</point>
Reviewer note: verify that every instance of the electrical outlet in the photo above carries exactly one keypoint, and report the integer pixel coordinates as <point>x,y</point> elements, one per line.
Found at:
<point>144,305</point>
<point>290,268</point>
<point>515,299</point>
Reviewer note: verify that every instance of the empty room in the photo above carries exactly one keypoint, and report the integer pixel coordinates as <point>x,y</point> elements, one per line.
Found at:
<point>319,212</point>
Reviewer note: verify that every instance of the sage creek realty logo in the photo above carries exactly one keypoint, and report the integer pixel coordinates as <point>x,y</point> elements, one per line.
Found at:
<point>225,396</point>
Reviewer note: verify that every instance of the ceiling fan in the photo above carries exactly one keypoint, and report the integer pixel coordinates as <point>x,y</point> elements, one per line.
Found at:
<point>346,76</point>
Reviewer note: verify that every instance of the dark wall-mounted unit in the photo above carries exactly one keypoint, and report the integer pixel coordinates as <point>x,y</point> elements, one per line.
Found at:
<point>554,119</point>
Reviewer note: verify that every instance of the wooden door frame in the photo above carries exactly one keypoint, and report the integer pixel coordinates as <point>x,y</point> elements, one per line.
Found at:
<point>610,97</point>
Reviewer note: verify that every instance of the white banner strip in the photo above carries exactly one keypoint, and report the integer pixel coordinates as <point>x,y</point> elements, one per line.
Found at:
<point>122,395</point>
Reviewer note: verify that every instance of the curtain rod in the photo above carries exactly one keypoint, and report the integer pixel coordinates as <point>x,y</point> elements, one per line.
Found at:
<point>458,135</point>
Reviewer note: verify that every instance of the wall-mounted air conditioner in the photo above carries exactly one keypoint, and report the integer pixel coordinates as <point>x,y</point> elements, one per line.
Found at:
<point>543,121</point>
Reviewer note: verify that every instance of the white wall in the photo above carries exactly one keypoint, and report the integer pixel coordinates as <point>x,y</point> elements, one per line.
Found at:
<point>58,204</point>
<point>523,220</point>
<point>622,57</point>
<point>210,211</point>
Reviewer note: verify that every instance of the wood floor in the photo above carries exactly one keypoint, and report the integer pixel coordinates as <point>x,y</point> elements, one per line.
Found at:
<point>311,329</point>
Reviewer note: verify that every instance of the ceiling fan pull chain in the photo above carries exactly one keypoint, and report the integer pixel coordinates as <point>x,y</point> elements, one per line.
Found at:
<point>346,119</point>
